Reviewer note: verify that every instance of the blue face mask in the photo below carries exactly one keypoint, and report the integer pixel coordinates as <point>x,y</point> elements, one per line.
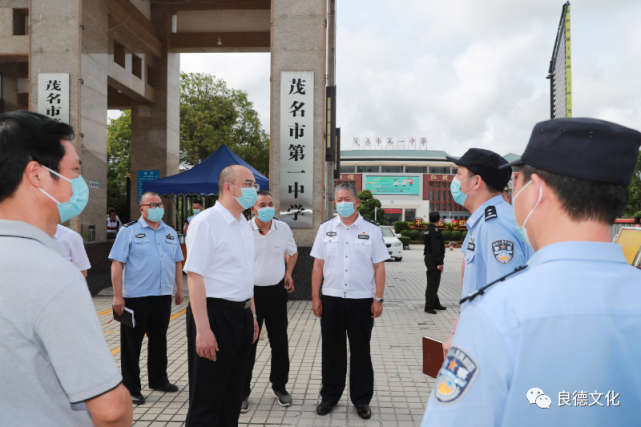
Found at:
<point>196,211</point>
<point>457,194</point>
<point>345,209</point>
<point>155,214</point>
<point>521,229</point>
<point>78,201</point>
<point>265,214</point>
<point>248,198</point>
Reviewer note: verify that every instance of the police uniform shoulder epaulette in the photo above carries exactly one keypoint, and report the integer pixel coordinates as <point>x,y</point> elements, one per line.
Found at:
<point>370,221</point>
<point>130,223</point>
<point>327,220</point>
<point>490,213</point>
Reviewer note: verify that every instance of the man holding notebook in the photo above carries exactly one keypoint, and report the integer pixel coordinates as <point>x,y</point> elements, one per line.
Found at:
<point>146,262</point>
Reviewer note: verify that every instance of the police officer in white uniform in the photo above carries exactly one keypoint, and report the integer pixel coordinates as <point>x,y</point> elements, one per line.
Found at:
<point>556,343</point>
<point>273,240</point>
<point>350,254</point>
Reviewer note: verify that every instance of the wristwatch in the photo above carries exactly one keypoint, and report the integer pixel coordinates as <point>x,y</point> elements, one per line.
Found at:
<point>380,300</point>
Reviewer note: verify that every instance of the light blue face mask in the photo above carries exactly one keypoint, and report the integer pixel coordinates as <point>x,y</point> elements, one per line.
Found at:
<point>521,229</point>
<point>155,214</point>
<point>265,214</point>
<point>248,198</point>
<point>455,188</point>
<point>196,211</point>
<point>78,201</point>
<point>345,209</point>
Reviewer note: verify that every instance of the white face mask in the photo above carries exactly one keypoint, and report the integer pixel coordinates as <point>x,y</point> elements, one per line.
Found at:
<point>521,229</point>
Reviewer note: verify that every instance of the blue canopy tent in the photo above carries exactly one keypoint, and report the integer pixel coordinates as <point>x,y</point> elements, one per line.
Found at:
<point>202,179</point>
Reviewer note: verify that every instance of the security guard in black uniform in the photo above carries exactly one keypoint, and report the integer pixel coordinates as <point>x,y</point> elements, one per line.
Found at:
<point>434,253</point>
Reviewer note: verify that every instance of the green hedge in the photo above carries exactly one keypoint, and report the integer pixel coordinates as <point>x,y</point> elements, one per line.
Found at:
<point>464,234</point>
<point>447,235</point>
<point>405,241</point>
<point>456,235</point>
<point>415,235</point>
<point>406,233</point>
<point>400,226</point>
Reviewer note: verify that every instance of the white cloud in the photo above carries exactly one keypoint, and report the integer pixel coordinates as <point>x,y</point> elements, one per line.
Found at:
<point>463,73</point>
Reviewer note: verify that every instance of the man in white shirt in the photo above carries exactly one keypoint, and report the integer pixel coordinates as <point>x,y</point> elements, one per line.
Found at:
<point>350,254</point>
<point>273,240</point>
<point>221,319</point>
<point>72,248</point>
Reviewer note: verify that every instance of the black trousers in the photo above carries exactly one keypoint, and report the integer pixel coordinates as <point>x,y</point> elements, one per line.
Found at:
<point>354,317</point>
<point>433,282</point>
<point>216,388</point>
<point>271,308</point>
<point>152,318</point>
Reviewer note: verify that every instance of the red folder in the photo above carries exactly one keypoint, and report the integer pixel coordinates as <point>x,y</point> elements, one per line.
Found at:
<point>432,356</point>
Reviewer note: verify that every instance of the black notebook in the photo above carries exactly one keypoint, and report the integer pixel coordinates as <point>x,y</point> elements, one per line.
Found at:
<point>126,318</point>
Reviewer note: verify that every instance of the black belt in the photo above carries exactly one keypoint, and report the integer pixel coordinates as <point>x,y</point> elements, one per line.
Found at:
<point>242,305</point>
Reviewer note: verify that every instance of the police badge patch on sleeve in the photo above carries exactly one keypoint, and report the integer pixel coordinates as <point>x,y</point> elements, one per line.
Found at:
<point>503,251</point>
<point>455,377</point>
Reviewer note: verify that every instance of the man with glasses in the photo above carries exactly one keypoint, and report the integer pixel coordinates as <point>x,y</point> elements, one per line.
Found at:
<point>221,317</point>
<point>146,262</point>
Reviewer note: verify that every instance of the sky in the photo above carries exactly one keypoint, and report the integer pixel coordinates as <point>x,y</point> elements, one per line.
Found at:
<point>463,73</point>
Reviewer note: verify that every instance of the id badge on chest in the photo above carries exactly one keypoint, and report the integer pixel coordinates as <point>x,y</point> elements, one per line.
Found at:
<point>470,246</point>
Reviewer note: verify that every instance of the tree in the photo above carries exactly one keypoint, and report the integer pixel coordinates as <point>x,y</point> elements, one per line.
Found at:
<point>211,114</point>
<point>366,208</point>
<point>118,161</point>
<point>634,204</point>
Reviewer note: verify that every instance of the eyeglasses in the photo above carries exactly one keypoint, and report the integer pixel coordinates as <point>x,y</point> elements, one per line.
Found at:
<point>154,205</point>
<point>248,185</point>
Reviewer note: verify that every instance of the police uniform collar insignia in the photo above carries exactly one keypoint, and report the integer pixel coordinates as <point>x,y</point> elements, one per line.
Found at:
<point>170,237</point>
<point>331,233</point>
<point>130,223</point>
<point>490,213</point>
<point>455,377</point>
<point>363,236</point>
<point>140,235</point>
<point>503,251</point>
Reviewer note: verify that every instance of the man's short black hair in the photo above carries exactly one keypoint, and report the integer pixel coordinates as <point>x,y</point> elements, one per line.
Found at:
<point>26,136</point>
<point>434,217</point>
<point>264,193</point>
<point>491,189</point>
<point>583,199</point>
<point>197,201</point>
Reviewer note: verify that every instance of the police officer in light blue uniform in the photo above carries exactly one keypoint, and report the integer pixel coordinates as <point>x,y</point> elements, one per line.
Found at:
<point>146,264</point>
<point>491,247</point>
<point>556,343</point>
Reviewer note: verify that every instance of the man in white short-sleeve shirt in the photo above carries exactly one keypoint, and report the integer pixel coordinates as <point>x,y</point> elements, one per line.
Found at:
<point>221,320</point>
<point>350,254</point>
<point>273,240</point>
<point>72,248</point>
<point>57,370</point>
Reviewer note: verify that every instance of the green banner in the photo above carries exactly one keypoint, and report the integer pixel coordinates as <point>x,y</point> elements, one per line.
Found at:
<point>393,184</point>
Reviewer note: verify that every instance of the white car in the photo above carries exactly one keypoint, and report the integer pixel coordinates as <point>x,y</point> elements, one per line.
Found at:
<point>394,246</point>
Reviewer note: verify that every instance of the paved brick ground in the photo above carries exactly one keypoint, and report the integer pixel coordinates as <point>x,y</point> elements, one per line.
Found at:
<point>401,389</point>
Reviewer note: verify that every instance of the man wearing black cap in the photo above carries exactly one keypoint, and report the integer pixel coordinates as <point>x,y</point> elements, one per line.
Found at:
<point>568,323</point>
<point>434,254</point>
<point>492,247</point>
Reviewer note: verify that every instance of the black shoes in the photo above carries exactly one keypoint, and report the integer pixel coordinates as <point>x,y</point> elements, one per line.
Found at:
<point>284,398</point>
<point>324,408</point>
<point>364,412</point>
<point>244,407</point>
<point>138,399</point>
<point>167,388</point>
<point>440,307</point>
<point>430,311</point>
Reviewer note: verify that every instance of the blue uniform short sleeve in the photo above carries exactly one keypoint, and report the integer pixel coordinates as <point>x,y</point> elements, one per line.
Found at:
<point>178,255</point>
<point>120,249</point>
<point>472,387</point>
<point>503,250</point>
